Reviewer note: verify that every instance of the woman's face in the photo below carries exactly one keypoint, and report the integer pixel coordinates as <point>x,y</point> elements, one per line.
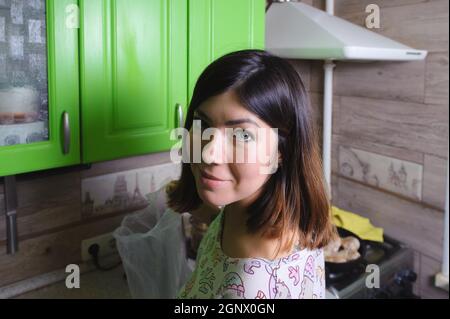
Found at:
<point>238,151</point>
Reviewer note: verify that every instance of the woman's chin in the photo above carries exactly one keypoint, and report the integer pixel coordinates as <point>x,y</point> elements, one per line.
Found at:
<point>213,198</point>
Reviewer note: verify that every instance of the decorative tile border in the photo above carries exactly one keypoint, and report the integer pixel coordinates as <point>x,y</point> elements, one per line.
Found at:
<point>125,191</point>
<point>398,176</point>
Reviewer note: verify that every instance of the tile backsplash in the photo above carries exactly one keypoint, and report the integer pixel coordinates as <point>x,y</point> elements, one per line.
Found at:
<point>125,191</point>
<point>58,209</point>
<point>397,176</point>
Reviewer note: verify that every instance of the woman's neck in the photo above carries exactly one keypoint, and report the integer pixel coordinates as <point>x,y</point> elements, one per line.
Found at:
<point>237,212</point>
<point>236,218</point>
<point>205,213</point>
<point>238,242</point>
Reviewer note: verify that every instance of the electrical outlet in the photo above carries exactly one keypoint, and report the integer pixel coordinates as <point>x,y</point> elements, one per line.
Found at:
<point>106,242</point>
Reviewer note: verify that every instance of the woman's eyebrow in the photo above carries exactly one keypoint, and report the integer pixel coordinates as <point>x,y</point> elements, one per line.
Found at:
<point>202,115</point>
<point>230,122</point>
<point>240,121</point>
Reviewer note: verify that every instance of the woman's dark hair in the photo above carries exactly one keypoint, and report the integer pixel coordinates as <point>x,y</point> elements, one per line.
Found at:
<point>294,198</point>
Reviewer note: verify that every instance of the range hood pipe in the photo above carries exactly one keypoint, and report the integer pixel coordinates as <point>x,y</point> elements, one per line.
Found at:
<point>328,112</point>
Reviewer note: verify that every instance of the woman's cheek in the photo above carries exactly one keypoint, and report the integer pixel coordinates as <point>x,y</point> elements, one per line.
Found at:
<point>248,178</point>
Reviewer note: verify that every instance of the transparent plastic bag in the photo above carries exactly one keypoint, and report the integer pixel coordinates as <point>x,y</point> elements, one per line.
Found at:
<point>152,246</point>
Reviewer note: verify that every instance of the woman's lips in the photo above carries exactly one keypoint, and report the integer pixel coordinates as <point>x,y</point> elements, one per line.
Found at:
<point>210,180</point>
<point>204,174</point>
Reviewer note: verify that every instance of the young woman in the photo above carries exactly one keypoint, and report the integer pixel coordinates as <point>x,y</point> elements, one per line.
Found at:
<point>273,215</point>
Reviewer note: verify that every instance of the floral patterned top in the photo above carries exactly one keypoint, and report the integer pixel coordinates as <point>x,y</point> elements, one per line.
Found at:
<point>297,276</point>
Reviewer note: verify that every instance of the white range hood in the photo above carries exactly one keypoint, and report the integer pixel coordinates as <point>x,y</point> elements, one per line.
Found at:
<point>299,31</point>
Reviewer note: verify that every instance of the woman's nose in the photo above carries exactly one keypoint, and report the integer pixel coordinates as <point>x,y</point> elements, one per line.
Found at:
<point>215,150</point>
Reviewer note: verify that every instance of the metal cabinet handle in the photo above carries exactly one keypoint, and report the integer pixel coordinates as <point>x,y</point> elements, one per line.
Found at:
<point>180,115</point>
<point>12,241</point>
<point>66,129</point>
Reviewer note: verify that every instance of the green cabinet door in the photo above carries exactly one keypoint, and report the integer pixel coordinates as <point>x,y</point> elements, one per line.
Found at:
<point>217,27</point>
<point>39,95</point>
<point>133,75</point>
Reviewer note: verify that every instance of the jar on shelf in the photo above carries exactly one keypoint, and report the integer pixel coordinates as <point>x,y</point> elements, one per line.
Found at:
<point>19,105</point>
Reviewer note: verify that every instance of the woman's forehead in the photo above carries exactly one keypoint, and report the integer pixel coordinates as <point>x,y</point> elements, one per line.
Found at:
<point>226,107</point>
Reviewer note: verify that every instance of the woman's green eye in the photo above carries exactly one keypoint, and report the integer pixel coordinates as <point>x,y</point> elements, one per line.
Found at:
<point>244,135</point>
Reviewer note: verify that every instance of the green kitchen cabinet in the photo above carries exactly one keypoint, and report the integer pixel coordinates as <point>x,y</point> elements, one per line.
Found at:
<point>39,86</point>
<point>133,75</point>
<point>112,84</point>
<point>217,27</point>
<point>140,60</point>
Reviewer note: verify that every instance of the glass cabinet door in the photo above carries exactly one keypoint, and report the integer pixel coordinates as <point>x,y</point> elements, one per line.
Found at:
<point>23,72</point>
<point>39,85</point>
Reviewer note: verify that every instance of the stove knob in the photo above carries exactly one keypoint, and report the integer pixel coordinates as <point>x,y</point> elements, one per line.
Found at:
<point>405,277</point>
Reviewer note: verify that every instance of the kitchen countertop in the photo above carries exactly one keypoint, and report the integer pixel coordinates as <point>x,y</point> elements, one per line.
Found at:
<point>93,285</point>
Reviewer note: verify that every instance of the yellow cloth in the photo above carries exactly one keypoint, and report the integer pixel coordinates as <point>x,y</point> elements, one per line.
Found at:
<point>356,224</point>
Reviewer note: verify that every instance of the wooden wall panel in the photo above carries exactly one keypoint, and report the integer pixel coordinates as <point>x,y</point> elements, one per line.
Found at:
<point>411,126</point>
<point>50,252</point>
<point>436,81</point>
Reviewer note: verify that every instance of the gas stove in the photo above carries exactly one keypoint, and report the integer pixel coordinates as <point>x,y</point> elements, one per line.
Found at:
<point>392,260</point>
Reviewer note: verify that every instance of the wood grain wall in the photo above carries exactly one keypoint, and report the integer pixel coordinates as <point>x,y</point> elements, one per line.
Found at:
<point>51,225</point>
<point>390,129</point>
